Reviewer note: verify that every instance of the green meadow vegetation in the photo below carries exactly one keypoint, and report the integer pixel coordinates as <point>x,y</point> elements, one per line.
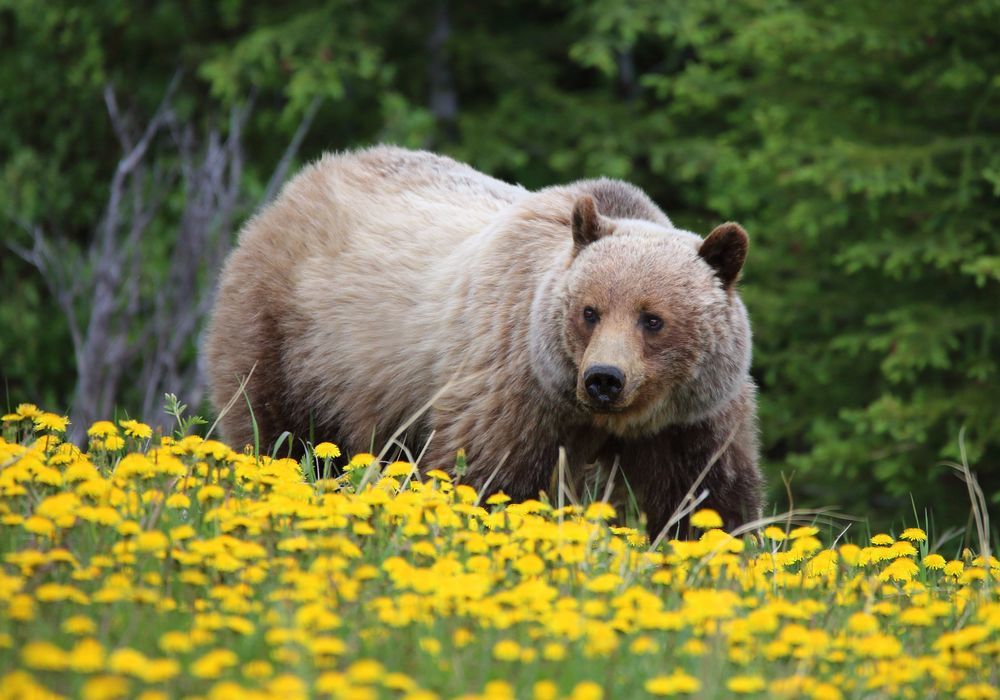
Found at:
<point>156,566</point>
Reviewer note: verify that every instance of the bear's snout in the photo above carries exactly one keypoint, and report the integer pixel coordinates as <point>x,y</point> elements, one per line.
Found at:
<point>604,384</point>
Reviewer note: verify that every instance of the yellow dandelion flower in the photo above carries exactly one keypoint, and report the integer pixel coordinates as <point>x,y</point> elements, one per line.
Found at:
<point>529,565</point>
<point>745,684</point>
<point>498,690</point>
<point>900,570</point>
<point>498,498</point>
<point>87,656</point>
<point>327,450</point>
<point>587,690</point>
<point>58,506</point>
<point>977,691</point>
<point>330,683</point>
<point>420,695</point>
<point>826,691</point>
<point>366,671</point>
<point>397,469</point>
<point>934,561</point>
<point>678,683</point>
<point>919,617</point>
<point>211,492</point>
<point>598,510</point>
<point>881,540</point>
<point>213,663</point>
<point>26,410</point>
<point>102,429</point>
<point>914,534</point>
<point>507,650</point>
<point>862,623</point>
<point>134,428</point>
<point>804,531</point>
<point>438,474</point>
<point>111,443</point>
<point>430,645</point>
<point>545,690</point>
<point>105,687</point>
<point>774,533</point>
<point>706,519</point>
<point>78,625</point>
<point>51,421</point>
<point>604,583</point>
<point>399,681</point>
<point>360,461</point>
<point>41,526</point>
<point>953,568</point>
<point>287,686</point>
<point>643,645</point>
<point>175,643</point>
<point>44,656</point>
<point>178,500</point>
<point>152,695</point>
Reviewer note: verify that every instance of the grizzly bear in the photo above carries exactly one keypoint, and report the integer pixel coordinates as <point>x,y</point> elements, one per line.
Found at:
<point>384,282</point>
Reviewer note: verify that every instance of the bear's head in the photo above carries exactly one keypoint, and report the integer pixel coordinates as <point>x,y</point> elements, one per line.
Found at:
<point>650,320</point>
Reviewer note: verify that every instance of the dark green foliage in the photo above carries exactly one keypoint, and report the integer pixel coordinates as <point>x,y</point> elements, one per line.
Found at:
<point>857,142</point>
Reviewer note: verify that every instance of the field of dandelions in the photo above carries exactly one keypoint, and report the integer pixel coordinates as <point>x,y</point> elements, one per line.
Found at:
<point>153,566</point>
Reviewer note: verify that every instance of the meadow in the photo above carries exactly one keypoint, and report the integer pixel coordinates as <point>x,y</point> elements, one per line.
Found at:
<point>155,566</point>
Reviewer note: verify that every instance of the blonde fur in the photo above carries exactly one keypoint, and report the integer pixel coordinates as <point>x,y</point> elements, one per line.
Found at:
<point>379,276</point>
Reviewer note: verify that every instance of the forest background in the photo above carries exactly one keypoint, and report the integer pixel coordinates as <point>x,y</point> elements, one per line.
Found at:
<point>858,143</point>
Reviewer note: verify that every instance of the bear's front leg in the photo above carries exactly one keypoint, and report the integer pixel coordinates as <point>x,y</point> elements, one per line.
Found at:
<point>662,469</point>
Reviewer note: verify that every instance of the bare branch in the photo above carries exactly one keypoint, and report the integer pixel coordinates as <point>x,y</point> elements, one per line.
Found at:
<point>281,170</point>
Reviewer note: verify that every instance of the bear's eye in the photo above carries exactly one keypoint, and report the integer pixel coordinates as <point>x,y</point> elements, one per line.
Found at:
<point>651,322</point>
<point>589,314</point>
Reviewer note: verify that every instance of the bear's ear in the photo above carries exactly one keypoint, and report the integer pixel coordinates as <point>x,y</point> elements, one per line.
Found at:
<point>725,249</point>
<point>588,224</point>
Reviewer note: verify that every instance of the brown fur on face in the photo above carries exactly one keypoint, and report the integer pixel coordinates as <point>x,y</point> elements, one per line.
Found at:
<point>679,372</point>
<point>385,280</point>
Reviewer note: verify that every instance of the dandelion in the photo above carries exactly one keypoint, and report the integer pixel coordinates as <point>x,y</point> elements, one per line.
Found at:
<point>78,625</point>
<point>587,690</point>
<point>498,690</point>
<point>678,683</point>
<point>954,568</point>
<point>507,650</point>
<point>774,533</point>
<point>914,534</point>
<point>362,460</point>
<point>51,421</point>
<point>977,691</point>
<point>134,428</point>
<point>24,411</point>
<point>327,450</point>
<point>105,687</point>
<point>745,684</point>
<point>545,690</point>
<point>365,671</point>
<point>598,510</point>
<point>397,469</point>
<point>213,663</point>
<point>706,519</point>
<point>102,429</point>
<point>553,651</point>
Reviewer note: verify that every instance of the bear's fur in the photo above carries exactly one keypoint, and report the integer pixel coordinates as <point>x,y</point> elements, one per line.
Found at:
<point>386,280</point>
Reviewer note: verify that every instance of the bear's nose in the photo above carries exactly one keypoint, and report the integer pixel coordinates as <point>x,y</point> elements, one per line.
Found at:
<point>604,383</point>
